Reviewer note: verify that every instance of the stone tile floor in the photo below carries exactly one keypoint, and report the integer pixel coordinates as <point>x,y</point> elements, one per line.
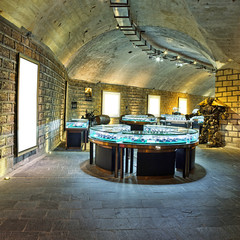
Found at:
<point>53,198</point>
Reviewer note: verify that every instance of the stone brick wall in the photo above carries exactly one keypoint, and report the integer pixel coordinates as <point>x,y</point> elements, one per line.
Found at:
<point>51,95</point>
<point>133,99</point>
<point>227,89</point>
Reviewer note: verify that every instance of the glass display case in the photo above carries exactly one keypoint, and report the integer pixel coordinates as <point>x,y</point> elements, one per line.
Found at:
<point>139,118</point>
<point>199,119</point>
<point>76,133</point>
<point>151,134</point>
<point>170,117</point>
<point>77,123</point>
<point>176,120</point>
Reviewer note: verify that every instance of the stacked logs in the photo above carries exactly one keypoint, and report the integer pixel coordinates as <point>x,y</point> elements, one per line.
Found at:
<point>213,110</point>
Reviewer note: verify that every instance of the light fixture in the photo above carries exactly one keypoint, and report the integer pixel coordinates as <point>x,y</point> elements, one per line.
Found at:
<point>7,178</point>
<point>88,94</point>
<point>121,7</point>
<point>179,64</point>
<point>159,59</point>
<point>134,45</point>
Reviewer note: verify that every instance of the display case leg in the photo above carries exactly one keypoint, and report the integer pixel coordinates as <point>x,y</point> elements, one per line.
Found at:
<point>121,163</point>
<point>91,153</point>
<point>186,163</point>
<point>126,167</point>
<point>131,162</point>
<point>85,136</point>
<point>116,162</point>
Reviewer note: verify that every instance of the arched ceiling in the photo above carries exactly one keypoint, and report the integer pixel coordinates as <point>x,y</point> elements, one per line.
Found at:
<point>83,36</point>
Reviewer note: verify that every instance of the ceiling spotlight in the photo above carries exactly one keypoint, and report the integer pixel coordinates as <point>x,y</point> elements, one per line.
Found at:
<point>179,64</point>
<point>195,62</point>
<point>159,59</point>
<point>178,57</point>
<point>165,52</point>
<point>134,45</point>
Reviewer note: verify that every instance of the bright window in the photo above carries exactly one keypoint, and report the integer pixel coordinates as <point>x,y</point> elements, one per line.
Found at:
<point>111,104</point>
<point>154,105</point>
<point>182,105</point>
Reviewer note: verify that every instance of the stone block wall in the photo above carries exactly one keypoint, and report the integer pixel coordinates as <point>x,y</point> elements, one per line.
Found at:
<point>133,99</point>
<point>51,95</point>
<point>227,89</point>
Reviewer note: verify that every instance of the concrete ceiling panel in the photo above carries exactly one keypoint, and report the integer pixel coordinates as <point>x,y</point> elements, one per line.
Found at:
<point>83,36</point>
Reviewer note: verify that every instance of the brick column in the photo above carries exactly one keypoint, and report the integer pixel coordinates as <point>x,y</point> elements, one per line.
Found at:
<point>227,89</point>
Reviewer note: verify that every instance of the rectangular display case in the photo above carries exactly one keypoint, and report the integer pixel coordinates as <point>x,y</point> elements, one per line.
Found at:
<point>176,121</point>
<point>77,123</point>
<point>76,133</point>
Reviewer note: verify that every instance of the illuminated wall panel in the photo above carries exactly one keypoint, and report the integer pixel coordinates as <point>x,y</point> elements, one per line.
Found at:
<point>27,105</point>
<point>111,104</point>
<point>154,105</point>
<point>182,105</point>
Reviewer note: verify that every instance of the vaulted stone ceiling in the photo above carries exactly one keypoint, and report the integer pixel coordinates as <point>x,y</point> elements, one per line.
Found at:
<point>83,36</point>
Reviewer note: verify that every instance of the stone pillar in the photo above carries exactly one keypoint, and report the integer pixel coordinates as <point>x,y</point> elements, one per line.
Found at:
<point>227,90</point>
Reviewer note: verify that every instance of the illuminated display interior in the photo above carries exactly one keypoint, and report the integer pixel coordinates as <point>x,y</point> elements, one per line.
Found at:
<point>152,134</point>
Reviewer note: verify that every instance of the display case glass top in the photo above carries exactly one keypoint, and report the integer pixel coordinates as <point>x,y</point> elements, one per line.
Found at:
<point>151,134</point>
<point>77,124</point>
<point>170,117</point>
<point>139,118</point>
<point>199,119</point>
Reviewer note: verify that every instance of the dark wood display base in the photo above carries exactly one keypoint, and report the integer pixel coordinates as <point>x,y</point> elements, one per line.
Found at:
<point>180,158</point>
<point>75,137</point>
<point>136,125</point>
<point>148,155</point>
<point>156,164</point>
<point>105,157</point>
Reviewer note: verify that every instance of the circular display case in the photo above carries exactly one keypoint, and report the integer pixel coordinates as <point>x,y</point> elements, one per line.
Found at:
<point>151,134</point>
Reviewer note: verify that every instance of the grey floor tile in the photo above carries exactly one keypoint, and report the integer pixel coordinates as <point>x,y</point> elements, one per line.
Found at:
<point>82,214</point>
<point>39,225</point>
<point>13,225</point>
<point>19,236</point>
<point>55,199</point>
<point>57,214</point>
<point>65,225</point>
<point>104,213</point>
<point>35,213</point>
<point>47,205</point>
<point>55,236</point>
